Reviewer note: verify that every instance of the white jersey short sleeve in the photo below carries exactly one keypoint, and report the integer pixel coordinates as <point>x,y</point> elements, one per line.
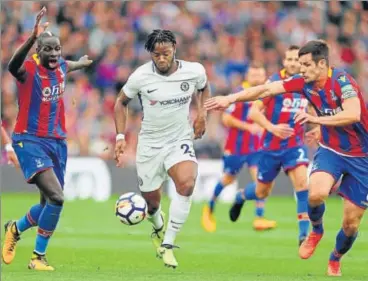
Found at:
<point>166,132</point>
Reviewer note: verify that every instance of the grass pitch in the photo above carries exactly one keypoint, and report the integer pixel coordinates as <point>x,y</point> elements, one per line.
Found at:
<point>91,244</point>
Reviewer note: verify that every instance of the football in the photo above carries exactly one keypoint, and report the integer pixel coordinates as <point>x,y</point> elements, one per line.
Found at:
<point>131,208</point>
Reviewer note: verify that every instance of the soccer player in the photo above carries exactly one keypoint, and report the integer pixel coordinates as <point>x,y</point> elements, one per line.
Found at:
<point>242,147</point>
<point>343,118</point>
<point>165,87</point>
<point>6,142</point>
<point>39,137</point>
<point>282,145</point>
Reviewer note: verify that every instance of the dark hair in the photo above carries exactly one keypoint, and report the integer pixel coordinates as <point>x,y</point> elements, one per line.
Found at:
<point>293,47</point>
<point>317,48</point>
<point>159,36</point>
<point>256,65</point>
<point>43,35</point>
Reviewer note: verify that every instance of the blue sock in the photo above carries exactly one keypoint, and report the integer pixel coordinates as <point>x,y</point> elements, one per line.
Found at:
<point>343,245</point>
<point>315,216</point>
<point>260,208</point>
<point>30,219</point>
<point>46,226</point>
<point>248,193</point>
<point>302,209</point>
<point>218,189</point>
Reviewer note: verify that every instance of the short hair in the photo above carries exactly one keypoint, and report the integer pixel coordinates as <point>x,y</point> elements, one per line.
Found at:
<point>317,48</point>
<point>256,65</point>
<point>159,36</point>
<point>43,35</point>
<point>293,48</point>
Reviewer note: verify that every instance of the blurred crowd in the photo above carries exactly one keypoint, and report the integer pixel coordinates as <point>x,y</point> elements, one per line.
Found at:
<point>224,36</point>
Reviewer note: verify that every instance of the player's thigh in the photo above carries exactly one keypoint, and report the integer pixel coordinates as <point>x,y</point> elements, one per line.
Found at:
<point>181,164</point>
<point>294,157</point>
<point>327,168</point>
<point>252,162</point>
<point>353,215</point>
<point>299,177</point>
<point>253,171</point>
<point>32,155</point>
<point>150,168</point>
<point>232,166</point>
<point>60,153</point>
<point>50,187</point>
<point>269,166</point>
<point>354,191</point>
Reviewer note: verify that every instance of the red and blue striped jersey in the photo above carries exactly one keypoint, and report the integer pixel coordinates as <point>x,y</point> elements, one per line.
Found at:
<point>281,109</point>
<point>351,140</point>
<point>241,142</point>
<point>40,100</point>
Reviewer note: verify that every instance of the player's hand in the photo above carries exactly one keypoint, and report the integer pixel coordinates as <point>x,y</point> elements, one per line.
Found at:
<point>85,61</point>
<point>302,117</point>
<point>218,103</point>
<point>37,29</point>
<point>199,127</point>
<point>313,136</point>
<point>119,151</point>
<point>283,131</point>
<point>12,158</point>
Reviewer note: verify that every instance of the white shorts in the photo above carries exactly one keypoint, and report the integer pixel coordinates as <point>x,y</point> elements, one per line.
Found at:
<point>153,163</point>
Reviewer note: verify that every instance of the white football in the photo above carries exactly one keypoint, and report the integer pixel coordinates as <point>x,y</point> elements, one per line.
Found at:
<point>131,208</point>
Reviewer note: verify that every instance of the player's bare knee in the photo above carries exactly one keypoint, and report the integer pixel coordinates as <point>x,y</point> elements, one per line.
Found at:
<point>56,198</point>
<point>185,186</point>
<point>152,206</point>
<point>262,193</point>
<point>350,226</point>
<point>227,179</point>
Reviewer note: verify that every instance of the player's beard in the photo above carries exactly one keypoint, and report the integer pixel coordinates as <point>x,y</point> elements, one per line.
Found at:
<point>167,69</point>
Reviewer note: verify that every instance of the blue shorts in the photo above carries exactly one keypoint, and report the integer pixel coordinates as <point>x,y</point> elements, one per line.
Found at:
<point>37,154</point>
<point>234,163</point>
<point>271,162</point>
<point>354,171</point>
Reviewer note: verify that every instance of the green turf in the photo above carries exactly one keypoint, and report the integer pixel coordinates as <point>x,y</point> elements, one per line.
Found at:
<point>91,244</point>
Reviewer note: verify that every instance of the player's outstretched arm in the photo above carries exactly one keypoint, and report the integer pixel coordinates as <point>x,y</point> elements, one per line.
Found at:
<point>282,131</point>
<point>120,117</point>
<point>81,63</point>
<point>248,94</point>
<point>15,66</point>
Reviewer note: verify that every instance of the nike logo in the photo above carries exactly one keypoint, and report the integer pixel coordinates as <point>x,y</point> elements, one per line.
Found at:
<point>151,91</point>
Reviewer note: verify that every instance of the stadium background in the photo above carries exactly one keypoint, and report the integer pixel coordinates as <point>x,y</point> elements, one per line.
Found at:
<point>225,37</point>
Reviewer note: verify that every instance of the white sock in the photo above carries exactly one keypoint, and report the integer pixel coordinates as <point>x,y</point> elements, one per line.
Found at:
<point>156,219</point>
<point>178,214</point>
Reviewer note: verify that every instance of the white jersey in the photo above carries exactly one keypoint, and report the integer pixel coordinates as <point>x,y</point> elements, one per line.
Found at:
<point>165,101</point>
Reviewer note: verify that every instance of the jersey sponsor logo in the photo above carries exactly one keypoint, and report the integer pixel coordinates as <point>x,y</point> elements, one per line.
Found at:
<point>179,101</point>
<point>54,93</point>
<point>294,104</point>
<point>184,86</point>
<point>153,102</point>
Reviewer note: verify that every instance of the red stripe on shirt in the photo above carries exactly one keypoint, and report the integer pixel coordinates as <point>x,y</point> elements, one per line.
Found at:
<point>45,106</point>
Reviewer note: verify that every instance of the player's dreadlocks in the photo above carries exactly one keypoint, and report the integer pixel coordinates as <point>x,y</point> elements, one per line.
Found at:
<point>159,36</point>
<point>44,35</point>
